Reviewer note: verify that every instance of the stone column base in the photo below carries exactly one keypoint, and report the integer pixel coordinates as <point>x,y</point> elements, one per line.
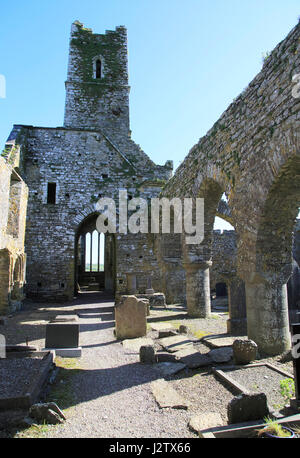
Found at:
<point>237,327</point>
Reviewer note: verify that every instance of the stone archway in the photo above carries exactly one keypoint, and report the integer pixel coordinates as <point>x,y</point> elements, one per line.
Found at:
<point>197,258</point>
<point>266,285</point>
<point>95,256</point>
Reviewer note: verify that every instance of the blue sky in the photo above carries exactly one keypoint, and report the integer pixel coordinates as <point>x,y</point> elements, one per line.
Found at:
<point>187,61</point>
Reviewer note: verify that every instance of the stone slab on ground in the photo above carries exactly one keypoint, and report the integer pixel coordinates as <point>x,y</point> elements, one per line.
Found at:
<point>75,352</point>
<point>193,358</point>
<point>134,345</point>
<point>205,421</point>
<point>221,355</point>
<point>176,343</point>
<point>165,357</point>
<point>166,333</point>
<point>166,396</point>
<point>64,319</point>
<point>218,342</point>
<point>161,326</point>
<point>169,368</point>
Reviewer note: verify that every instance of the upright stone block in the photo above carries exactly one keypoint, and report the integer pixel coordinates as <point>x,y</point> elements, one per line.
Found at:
<point>130,318</point>
<point>247,407</point>
<point>244,351</point>
<point>157,300</point>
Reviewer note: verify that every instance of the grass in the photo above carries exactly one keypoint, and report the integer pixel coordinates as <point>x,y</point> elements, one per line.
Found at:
<point>61,393</point>
<point>272,427</point>
<point>35,431</point>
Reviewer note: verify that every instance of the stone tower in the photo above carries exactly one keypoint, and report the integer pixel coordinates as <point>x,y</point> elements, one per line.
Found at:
<point>97,91</point>
<point>68,169</point>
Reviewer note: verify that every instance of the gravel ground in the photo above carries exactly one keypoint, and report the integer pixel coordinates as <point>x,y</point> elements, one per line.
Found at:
<point>205,393</point>
<point>107,393</point>
<point>261,379</point>
<point>111,394</point>
<point>17,375</point>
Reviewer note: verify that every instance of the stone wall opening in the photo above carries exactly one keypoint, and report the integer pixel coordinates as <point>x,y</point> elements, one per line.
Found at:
<point>94,258</point>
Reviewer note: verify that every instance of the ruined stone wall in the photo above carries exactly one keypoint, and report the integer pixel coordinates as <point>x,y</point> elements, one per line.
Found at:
<point>252,153</point>
<point>244,154</point>
<point>85,166</point>
<point>13,205</point>
<point>169,252</point>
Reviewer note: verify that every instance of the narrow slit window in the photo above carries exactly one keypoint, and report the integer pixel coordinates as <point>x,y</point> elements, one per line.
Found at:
<point>51,193</point>
<point>98,69</point>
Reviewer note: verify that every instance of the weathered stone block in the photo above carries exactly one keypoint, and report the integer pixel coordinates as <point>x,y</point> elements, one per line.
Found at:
<point>221,355</point>
<point>157,300</point>
<point>244,351</point>
<point>247,407</point>
<point>147,354</point>
<point>130,318</point>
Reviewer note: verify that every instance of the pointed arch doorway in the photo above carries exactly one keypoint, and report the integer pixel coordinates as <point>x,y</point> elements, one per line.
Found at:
<point>94,258</point>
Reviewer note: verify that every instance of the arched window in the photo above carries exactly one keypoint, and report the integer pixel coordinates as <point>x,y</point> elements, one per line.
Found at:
<point>98,69</point>
<point>94,251</point>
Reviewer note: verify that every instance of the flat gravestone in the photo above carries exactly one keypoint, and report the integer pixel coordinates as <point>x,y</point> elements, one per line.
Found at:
<point>165,357</point>
<point>205,421</point>
<point>62,335</point>
<point>221,355</point>
<point>218,342</point>
<point>64,319</point>
<point>130,318</point>
<point>161,326</point>
<point>193,358</point>
<point>169,368</point>
<point>167,333</point>
<point>166,396</point>
<point>134,345</point>
<point>176,343</point>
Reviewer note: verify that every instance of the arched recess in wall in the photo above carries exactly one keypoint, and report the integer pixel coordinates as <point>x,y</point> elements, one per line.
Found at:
<point>211,191</point>
<point>266,290</point>
<point>277,223</point>
<point>94,257</point>
<point>224,257</point>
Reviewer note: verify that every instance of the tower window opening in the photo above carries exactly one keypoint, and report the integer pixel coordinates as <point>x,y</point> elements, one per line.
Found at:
<point>98,69</point>
<point>51,193</point>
